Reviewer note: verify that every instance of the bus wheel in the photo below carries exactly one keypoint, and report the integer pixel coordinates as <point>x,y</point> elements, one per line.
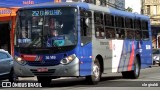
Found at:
<point>154,63</point>
<point>134,74</point>
<point>45,81</point>
<point>96,73</point>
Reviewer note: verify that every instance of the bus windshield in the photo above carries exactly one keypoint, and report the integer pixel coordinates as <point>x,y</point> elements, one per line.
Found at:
<point>53,27</point>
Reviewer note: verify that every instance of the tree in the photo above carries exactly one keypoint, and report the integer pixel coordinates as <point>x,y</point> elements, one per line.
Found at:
<point>129,9</point>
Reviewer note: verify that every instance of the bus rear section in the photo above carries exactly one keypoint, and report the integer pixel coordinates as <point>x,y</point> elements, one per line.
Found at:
<point>121,42</point>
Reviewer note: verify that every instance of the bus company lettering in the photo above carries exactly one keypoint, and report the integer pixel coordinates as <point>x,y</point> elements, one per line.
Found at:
<point>104,43</point>
<point>27,2</point>
<point>5,11</point>
<point>50,57</point>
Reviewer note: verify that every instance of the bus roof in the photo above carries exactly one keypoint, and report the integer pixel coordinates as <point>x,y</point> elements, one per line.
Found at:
<point>88,6</point>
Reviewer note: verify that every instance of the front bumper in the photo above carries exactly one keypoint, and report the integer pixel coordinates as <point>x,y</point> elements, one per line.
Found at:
<point>71,69</point>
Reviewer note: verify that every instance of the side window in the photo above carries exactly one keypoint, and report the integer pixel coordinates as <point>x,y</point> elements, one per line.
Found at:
<point>119,21</point>
<point>128,23</point>
<point>109,20</point>
<point>138,34</point>
<point>130,34</point>
<point>137,28</point>
<point>137,24</point>
<point>145,32</point>
<point>99,32</point>
<point>120,33</point>
<point>110,33</point>
<point>145,35</point>
<point>3,55</point>
<point>99,25</point>
<point>98,18</point>
<point>86,26</point>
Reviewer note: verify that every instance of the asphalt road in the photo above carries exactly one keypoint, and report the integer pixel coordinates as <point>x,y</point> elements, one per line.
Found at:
<point>149,80</point>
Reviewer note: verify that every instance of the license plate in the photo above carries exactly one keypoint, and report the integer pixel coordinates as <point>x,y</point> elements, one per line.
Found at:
<point>42,69</point>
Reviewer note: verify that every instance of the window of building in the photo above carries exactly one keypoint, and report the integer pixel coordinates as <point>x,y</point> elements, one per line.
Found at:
<point>155,10</point>
<point>148,9</point>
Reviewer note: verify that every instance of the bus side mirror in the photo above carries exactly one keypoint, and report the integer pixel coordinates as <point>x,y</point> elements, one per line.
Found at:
<point>87,22</point>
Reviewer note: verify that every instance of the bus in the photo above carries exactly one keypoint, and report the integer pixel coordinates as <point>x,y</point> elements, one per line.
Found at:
<point>77,39</point>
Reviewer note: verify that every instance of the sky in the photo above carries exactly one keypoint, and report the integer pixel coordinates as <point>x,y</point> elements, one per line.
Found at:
<point>134,4</point>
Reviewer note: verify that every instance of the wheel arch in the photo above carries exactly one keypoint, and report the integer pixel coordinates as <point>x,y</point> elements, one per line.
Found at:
<point>100,59</point>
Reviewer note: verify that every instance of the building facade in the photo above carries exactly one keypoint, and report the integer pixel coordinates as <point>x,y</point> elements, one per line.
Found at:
<point>118,4</point>
<point>151,8</point>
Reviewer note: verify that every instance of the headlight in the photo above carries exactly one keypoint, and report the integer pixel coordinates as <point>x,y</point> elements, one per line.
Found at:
<point>20,60</point>
<point>68,59</point>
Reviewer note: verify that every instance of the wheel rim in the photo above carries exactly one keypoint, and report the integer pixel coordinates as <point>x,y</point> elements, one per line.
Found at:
<point>96,71</point>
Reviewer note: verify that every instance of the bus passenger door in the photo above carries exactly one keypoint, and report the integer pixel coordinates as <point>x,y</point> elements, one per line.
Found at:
<point>85,41</point>
<point>146,45</point>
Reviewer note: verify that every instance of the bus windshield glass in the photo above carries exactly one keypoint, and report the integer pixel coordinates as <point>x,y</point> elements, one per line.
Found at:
<point>53,27</point>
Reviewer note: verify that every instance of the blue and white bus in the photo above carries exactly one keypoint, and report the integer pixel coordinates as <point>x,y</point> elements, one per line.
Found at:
<point>80,40</point>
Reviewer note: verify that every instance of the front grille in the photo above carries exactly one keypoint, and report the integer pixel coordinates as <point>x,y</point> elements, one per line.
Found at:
<point>43,63</point>
<point>49,72</point>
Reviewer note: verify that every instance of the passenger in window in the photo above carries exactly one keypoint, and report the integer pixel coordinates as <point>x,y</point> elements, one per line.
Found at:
<point>117,36</point>
<point>109,34</point>
<point>102,33</point>
<point>97,32</point>
<point>130,36</point>
<point>54,33</point>
<point>118,32</point>
<point>54,27</point>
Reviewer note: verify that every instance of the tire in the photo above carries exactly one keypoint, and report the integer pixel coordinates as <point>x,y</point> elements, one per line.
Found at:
<point>154,63</point>
<point>13,77</point>
<point>126,74</point>
<point>134,74</point>
<point>45,81</point>
<point>96,74</point>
